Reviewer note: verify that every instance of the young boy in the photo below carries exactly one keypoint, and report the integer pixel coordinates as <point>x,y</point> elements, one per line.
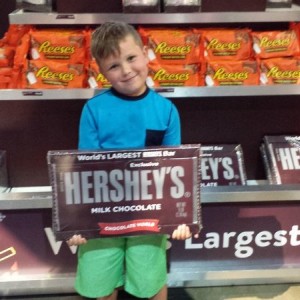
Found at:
<point>129,115</point>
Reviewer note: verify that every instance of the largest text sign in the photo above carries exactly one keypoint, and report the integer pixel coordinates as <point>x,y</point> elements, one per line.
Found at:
<point>125,192</point>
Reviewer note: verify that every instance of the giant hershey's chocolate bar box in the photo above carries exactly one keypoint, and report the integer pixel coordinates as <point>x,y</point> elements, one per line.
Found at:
<point>281,156</point>
<point>222,164</point>
<point>125,192</point>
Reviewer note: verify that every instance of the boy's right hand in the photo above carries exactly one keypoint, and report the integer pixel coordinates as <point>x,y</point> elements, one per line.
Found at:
<point>76,240</point>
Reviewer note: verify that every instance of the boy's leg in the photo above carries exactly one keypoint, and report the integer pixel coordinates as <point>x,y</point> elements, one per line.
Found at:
<point>100,267</point>
<point>112,296</point>
<point>146,267</point>
<point>162,294</point>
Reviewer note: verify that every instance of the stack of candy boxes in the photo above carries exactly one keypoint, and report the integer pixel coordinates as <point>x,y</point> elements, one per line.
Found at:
<point>37,58</point>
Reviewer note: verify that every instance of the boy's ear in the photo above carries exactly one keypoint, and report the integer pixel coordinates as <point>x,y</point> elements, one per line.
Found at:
<point>145,52</point>
<point>145,49</point>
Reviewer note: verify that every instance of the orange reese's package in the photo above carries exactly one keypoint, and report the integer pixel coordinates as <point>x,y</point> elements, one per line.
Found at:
<point>95,78</point>
<point>280,71</point>
<point>232,73</point>
<point>174,75</point>
<point>227,44</point>
<point>172,46</point>
<point>53,75</point>
<point>268,44</point>
<point>56,44</point>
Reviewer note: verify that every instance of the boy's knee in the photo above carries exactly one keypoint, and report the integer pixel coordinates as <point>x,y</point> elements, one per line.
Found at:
<point>112,296</point>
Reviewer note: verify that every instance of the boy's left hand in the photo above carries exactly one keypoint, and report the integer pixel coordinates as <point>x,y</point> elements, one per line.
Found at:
<point>182,232</point>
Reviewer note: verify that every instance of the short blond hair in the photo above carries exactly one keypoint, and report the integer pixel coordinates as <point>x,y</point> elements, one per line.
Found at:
<point>106,39</point>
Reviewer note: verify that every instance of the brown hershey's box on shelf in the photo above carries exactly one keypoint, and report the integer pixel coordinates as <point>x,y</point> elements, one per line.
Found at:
<point>281,156</point>
<point>222,164</point>
<point>125,192</point>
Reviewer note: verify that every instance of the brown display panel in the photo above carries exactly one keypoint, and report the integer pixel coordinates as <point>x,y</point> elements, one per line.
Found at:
<point>88,6</point>
<point>232,5</point>
<point>30,128</point>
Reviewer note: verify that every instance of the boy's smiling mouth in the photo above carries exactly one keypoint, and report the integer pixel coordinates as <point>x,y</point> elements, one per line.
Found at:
<point>129,79</point>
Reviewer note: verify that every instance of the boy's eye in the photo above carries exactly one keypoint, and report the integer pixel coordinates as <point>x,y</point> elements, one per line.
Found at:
<point>112,67</point>
<point>131,58</point>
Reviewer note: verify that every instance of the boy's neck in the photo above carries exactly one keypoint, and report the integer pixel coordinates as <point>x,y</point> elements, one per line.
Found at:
<point>127,97</point>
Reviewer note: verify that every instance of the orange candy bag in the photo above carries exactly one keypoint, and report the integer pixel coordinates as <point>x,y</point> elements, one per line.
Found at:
<point>58,44</point>
<point>53,75</point>
<point>6,56</point>
<point>95,78</point>
<point>280,71</point>
<point>172,46</point>
<point>227,44</point>
<point>22,50</point>
<point>14,34</point>
<point>232,73</point>
<point>174,75</point>
<point>268,44</point>
<point>5,77</point>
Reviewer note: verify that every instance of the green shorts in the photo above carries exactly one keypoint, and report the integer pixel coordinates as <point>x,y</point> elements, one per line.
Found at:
<point>138,263</point>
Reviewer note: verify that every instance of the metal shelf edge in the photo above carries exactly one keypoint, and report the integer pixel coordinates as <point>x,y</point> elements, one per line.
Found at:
<point>64,283</point>
<point>270,15</point>
<point>170,92</point>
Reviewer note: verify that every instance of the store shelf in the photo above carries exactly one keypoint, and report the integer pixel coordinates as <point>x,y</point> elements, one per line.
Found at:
<point>172,92</point>
<point>48,94</point>
<point>193,276</point>
<point>221,194</point>
<point>255,193</point>
<point>270,15</point>
<point>26,200</point>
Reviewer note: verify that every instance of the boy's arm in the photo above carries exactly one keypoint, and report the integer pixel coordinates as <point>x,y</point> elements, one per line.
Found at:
<point>182,232</point>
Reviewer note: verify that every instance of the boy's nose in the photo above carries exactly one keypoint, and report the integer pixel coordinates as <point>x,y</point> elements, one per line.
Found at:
<point>126,69</point>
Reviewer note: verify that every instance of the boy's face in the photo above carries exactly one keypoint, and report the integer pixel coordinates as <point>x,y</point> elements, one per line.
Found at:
<point>127,71</point>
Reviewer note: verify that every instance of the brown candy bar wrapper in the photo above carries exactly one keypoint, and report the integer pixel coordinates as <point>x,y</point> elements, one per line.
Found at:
<point>281,155</point>
<point>222,164</point>
<point>125,192</point>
